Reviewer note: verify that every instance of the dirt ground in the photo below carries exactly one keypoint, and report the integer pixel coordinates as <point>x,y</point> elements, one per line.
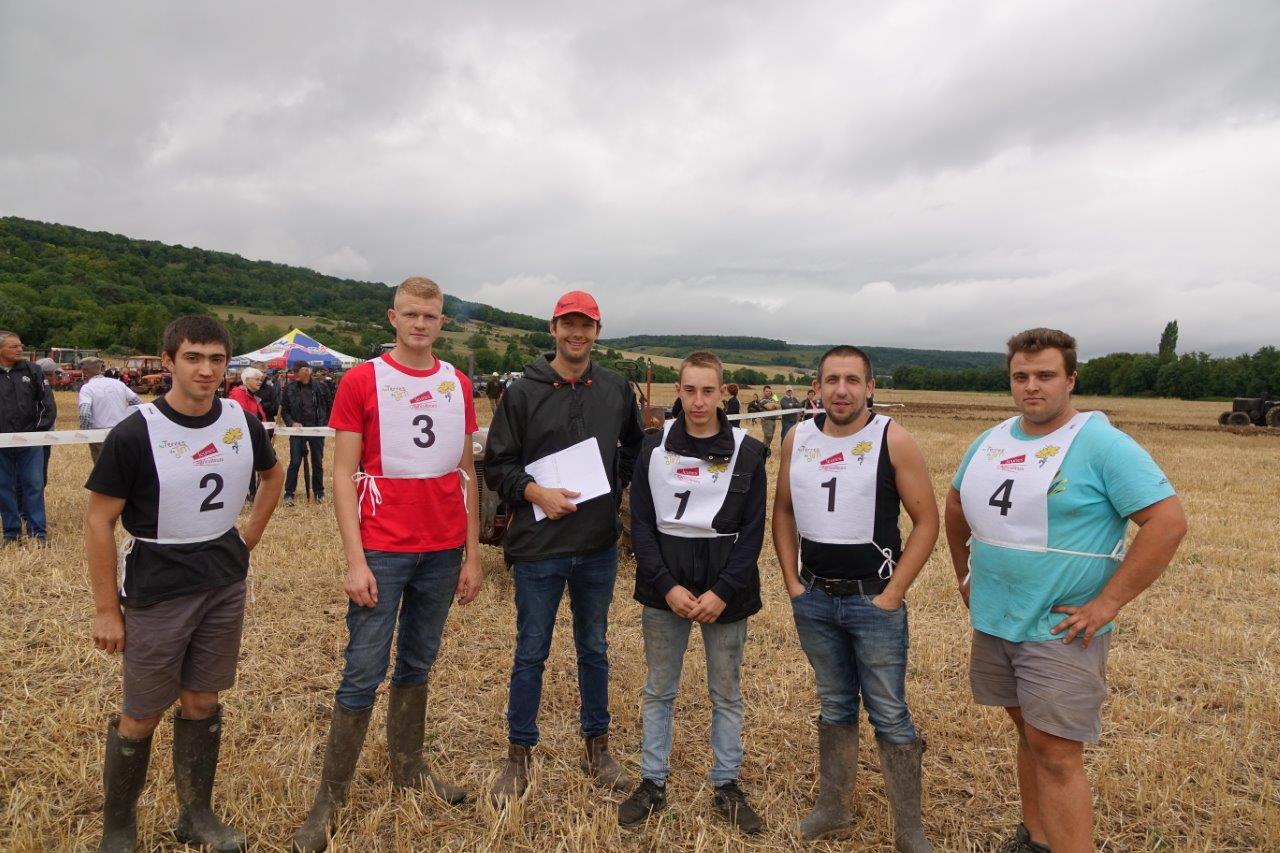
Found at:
<point>1190,749</point>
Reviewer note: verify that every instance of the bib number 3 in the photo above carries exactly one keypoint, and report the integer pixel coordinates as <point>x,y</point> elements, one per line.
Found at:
<point>1002,497</point>
<point>425,424</point>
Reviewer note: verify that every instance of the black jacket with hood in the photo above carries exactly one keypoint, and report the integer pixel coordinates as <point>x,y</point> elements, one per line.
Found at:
<point>543,413</point>
<point>727,565</point>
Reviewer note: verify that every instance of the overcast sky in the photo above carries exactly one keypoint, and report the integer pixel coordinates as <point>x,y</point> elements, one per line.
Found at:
<point>925,174</point>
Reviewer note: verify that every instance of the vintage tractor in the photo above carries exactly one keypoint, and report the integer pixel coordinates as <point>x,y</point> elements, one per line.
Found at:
<point>1252,411</point>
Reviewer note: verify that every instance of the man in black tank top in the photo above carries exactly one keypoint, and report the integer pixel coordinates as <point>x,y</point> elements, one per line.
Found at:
<point>178,473</point>
<point>841,480</point>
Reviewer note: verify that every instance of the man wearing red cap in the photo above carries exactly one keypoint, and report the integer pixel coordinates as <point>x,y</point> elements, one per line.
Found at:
<point>562,400</point>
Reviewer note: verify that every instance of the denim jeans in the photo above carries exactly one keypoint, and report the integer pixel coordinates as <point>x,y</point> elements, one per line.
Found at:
<point>22,491</point>
<point>298,444</point>
<point>419,588</point>
<point>540,585</point>
<point>856,648</point>
<point>666,636</point>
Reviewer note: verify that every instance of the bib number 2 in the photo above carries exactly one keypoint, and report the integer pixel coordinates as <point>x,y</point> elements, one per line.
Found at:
<point>425,423</point>
<point>1002,497</point>
<point>210,504</point>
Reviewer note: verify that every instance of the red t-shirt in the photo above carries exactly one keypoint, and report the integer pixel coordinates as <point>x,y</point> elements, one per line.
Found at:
<point>415,515</point>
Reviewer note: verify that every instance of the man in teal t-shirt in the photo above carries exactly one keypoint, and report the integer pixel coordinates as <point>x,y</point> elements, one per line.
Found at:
<point>1047,497</point>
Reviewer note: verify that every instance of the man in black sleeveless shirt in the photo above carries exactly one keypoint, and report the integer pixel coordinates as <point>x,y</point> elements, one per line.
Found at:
<point>841,480</point>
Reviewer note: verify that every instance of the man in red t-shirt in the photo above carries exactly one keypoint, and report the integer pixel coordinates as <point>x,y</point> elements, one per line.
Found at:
<point>404,493</point>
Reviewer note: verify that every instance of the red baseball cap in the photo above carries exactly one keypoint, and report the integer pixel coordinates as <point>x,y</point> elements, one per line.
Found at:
<point>577,302</point>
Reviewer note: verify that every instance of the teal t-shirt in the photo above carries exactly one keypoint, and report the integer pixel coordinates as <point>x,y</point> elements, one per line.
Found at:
<point>1105,478</point>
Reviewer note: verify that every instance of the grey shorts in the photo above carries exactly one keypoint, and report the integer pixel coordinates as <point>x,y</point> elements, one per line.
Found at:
<point>187,643</point>
<point>1060,688</point>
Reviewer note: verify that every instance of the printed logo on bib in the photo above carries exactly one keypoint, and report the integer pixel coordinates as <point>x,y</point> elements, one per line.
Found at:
<point>693,474</point>
<point>423,401</point>
<point>179,449</point>
<point>716,469</point>
<point>232,437</point>
<point>208,455</point>
<point>834,462</point>
<point>993,453</point>
<point>1014,463</point>
<point>810,453</point>
<point>861,449</point>
<point>447,388</point>
<point>1044,454</point>
<point>397,391</point>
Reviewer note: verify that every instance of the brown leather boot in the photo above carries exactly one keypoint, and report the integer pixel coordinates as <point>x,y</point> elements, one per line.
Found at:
<point>406,720</point>
<point>514,778</point>
<point>601,766</point>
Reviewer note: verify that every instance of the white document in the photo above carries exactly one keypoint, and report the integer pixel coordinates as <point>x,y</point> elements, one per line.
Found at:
<point>578,469</point>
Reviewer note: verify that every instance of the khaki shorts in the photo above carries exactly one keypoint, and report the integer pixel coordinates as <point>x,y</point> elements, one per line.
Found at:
<point>191,642</point>
<point>1060,688</point>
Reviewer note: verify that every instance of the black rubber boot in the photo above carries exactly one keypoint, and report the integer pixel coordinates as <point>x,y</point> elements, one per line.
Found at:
<point>406,721</point>
<point>195,761</point>
<point>837,770</point>
<point>124,774</point>
<point>900,763</point>
<point>341,751</point>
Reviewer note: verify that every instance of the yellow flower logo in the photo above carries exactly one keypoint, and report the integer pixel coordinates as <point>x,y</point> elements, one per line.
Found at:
<point>232,437</point>
<point>716,469</point>
<point>1044,454</point>
<point>446,388</point>
<point>861,449</point>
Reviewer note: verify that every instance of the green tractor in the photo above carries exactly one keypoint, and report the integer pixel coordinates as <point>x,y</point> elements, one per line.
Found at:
<point>1252,411</point>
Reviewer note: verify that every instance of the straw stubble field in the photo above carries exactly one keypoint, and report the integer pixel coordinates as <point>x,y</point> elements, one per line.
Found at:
<point>1189,759</point>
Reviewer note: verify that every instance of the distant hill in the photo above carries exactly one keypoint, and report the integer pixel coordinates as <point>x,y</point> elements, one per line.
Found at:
<point>768,351</point>
<point>66,286</point>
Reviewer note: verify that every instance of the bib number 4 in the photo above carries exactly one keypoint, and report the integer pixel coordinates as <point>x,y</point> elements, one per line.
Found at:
<point>1002,497</point>
<point>425,424</point>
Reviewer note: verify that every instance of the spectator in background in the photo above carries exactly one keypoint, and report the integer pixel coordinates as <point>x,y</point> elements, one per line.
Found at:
<point>812,406</point>
<point>246,394</point>
<point>103,401</point>
<point>50,369</point>
<point>769,402</point>
<point>25,406</point>
<point>304,403</point>
<point>789,401</point>
<point>731,405</point>
<point>493,391</point>
<point>268,392</point>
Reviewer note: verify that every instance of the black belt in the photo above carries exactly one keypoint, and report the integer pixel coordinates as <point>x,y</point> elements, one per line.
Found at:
<point>844,586</point>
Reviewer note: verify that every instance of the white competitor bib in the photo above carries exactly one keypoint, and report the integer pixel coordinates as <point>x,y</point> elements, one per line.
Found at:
<point>421,421</point>
<point>833,482</point>
<point>1005,487</point>
<point>687,492</point>
<point>203,474</point>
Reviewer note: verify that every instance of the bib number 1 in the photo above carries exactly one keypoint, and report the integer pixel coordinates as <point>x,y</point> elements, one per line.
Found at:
<point>1002,497</point>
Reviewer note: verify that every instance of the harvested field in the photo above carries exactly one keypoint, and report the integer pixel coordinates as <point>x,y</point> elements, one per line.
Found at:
<point>1189,760</point>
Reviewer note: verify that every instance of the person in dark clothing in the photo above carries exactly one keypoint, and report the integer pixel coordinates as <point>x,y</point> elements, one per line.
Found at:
<point>812,406</point>
<point>269,393</point>
<point>304,403</point>
<point>26,405</point>
<point>563,399</point>
<point>697,525</point>
<point>731,405</point>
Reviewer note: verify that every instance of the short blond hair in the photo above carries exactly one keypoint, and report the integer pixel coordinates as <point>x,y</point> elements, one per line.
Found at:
<point>702,358</point>
<point>419,287</point>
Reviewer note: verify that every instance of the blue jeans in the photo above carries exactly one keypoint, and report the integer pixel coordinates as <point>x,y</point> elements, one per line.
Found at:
<point>855,647</point>
<point>417,586</point>
<point>540,585</point>
<point>300,445</point>
<point>22,491</point>
<point>666,636</point>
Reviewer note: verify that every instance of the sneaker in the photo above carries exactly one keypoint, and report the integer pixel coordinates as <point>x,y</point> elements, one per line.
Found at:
<point>288,500</point>
<point>647,798</point>
<point>732,803</point>
<point>1021,843</point>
